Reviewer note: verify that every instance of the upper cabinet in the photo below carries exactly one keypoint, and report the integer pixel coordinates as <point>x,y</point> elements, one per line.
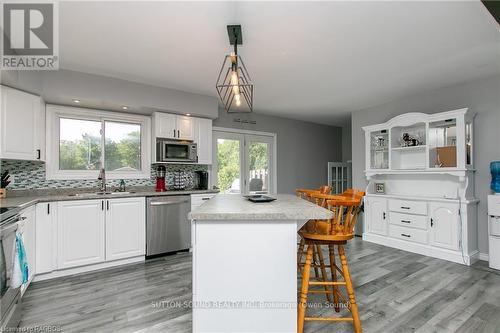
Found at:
<point>22,125</point>
<point>176,127</point>
<point>173,126</point>
<point>418,142</point>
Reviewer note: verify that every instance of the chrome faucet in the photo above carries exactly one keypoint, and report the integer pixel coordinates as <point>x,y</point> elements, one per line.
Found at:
<point>102,180</point>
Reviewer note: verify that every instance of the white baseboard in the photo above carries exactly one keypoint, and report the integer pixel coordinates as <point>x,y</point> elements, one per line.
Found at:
<point>88,268</point>
<point>484,257</point>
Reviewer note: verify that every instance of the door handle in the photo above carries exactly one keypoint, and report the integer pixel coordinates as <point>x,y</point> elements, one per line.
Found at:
<point>178,134</point>
<point>102,205</point>
<point>107,204</point>
<point>383,215</point>
<point>405,235</point>
<point>174,133</point>
<point>432,222</point>
<point>48,209</point>
<point>39,154</point>
<point>164,203</point>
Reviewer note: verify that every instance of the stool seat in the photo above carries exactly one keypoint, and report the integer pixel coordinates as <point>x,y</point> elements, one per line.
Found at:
<point>327,238</point>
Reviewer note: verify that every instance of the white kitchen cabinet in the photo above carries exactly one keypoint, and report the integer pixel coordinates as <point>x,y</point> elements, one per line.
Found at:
<point>45,237</point>
<point>173,126</point>
<point>203,138</point>
<point>444,225</point>
<point>125,228</point>
<point>377,215</point>
<point>27,229</point>
<point>80,233</point>
<point>22,125</point>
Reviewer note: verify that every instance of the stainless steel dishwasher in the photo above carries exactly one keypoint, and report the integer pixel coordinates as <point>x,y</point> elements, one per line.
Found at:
<point>168,229</point>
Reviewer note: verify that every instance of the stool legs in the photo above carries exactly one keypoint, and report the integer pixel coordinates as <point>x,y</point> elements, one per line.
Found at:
<point>304,289</point>
<point>350,290</point>
<point>324,276</point>
<point>299,254</point>
<point>333,269</point>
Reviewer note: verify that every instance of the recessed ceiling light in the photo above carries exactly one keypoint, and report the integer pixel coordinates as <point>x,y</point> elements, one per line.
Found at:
<point>125,107</point>
<point>76,100</point>
<point>188,114</point>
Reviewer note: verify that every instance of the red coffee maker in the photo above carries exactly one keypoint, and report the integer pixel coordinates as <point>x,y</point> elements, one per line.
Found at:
<point>160,178</point>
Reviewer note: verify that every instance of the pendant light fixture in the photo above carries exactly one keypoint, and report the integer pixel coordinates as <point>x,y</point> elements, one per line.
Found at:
<point>234,85</point>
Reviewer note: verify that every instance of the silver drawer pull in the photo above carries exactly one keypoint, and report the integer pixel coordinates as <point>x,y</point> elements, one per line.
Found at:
<point>405,235</point>
<point>164,203</point>
<point>405,207</point>
<point>405,221</point>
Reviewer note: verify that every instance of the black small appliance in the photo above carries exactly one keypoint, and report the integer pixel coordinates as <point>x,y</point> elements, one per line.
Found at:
<point>202,180</point>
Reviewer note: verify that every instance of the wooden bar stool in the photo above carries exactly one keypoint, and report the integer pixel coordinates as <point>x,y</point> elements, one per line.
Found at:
<point>333,233</point>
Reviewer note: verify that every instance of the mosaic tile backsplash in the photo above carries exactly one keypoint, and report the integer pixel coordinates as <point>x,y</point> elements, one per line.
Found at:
<point>31,175</point>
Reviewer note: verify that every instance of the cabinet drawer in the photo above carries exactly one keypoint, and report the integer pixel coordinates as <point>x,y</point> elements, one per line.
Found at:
<point>405,206</point>
<point>409,234</point>
<point>408,220</point>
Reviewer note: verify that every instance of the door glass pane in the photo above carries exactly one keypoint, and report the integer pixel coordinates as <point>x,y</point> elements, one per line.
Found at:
<point>228,165</point>
<point>443,144</point>
<point>79,144</point>
<point>122,149</point>
<point>258,167</point>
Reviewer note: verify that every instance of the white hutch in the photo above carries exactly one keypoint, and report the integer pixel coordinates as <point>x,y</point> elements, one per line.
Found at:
<point>420,195</point>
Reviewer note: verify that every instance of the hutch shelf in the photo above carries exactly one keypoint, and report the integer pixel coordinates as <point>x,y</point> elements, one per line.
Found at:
<point>420,193</point>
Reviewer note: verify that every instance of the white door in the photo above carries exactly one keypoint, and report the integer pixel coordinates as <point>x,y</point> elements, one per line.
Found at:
<point>29,241</point>
<point>165,125</point>
<point>19,111</point>
<point>80,236</point>
<point>244,163</point>
<point>444,225</point>
<point>376,218</point>
<point>203,131</point>
<point>125,228</point>
<point>185,128</point>
<point>46,237</point>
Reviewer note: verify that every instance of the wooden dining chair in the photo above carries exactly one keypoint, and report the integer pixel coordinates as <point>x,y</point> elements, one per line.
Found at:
<point>334,234</point>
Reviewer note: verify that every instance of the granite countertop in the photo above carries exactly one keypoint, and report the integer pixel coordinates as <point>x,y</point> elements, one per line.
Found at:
<point>30,198</point>
<point>235,207</point>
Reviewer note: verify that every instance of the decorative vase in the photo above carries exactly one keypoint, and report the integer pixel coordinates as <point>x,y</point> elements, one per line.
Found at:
<point>495,176</point>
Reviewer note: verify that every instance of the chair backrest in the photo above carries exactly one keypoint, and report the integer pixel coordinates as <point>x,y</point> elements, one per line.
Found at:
<point>345,216</point>
<point>353,193</point>
<point>307,193</point>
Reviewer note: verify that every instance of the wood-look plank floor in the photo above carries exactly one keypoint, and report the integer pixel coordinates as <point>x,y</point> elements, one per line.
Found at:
<point>396,291</point>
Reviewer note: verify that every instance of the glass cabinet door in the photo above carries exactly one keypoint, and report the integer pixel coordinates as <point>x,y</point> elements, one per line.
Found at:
<point>443,144</point>
<point>379,150</point>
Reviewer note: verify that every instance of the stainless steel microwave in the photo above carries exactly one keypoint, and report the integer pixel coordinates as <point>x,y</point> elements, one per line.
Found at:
<point>176,151</point>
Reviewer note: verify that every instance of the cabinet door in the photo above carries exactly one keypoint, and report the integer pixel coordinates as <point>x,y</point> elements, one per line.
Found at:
<point>18,134</point>
<point>45,237</point>
<point>165,125</point>
<point>29,242</point>
<point>185,128</point>
<point>125,228</point>
<point>377,215</point>
<point>204,140</point>
<point>444,225</point>
<point>80,233</point>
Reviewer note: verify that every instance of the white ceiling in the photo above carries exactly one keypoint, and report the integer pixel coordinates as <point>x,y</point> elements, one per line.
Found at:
<point>313,61</point>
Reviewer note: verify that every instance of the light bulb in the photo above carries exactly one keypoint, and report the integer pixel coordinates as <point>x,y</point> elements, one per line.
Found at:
<point>235,82</point>
<point>238,100</point>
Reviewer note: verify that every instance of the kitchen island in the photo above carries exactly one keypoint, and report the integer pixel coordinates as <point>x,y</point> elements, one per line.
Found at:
<point>245,263</point>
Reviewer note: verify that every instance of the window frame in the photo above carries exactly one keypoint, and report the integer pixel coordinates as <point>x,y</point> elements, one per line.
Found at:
<point>55,112</point>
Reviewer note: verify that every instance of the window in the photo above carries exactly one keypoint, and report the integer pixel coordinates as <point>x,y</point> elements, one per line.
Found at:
<point>82,141</point>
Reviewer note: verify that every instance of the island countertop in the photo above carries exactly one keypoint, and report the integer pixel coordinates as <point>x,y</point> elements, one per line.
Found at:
<point>235,207</point>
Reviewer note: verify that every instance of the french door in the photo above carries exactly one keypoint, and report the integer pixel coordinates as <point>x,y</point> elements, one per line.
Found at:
<point>244,162</point>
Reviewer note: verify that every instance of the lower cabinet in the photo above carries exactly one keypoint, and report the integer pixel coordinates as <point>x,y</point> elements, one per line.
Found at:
<point>84,232</point>
<point>125,228</point>
<point>444,225</point>
<point>377,215</point>
<point>80,233</point>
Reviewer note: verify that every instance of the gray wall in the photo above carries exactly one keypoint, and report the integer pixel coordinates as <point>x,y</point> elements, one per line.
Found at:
<point>481,96</point>
<point>303,148</point>
<point>96,91</point>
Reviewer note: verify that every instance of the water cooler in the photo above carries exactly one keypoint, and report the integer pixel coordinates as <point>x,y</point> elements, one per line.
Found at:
<point>494,230</point>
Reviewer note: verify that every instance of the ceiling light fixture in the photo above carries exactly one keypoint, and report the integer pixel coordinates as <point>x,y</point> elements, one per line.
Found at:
<point>188,114</point>
<point>124,107</point>
<point>76,101</point>
<point>235,86</point>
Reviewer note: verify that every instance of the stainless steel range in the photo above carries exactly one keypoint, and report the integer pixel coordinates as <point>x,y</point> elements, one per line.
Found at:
<point>10,300</point>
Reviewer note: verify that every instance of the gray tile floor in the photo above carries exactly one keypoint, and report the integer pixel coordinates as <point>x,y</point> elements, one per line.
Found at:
<point>397,291</point>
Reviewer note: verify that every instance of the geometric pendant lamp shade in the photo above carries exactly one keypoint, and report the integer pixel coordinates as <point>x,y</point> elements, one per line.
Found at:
<point>234,85</point>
